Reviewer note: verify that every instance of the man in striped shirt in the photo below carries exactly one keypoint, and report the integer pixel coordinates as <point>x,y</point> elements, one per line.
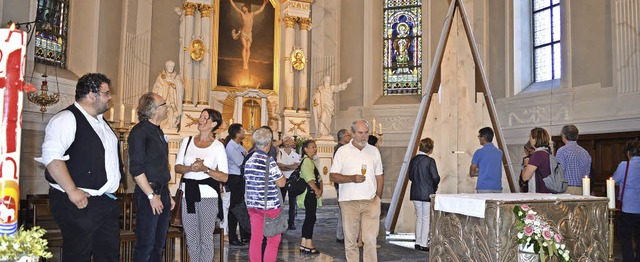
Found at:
<point>575,160</point>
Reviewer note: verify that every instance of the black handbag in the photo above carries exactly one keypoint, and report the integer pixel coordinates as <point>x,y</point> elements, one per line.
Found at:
<point>176,214</point>
<point>277,225</point>
<point>295,184</point>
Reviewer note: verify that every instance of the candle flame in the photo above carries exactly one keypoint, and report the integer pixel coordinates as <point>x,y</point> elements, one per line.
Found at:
<point>13,26</point>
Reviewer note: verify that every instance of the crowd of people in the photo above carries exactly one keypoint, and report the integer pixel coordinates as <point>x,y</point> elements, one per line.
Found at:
<point>221,179</point>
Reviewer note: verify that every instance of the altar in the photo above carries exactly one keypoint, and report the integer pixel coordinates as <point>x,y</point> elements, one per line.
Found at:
<point>481,227</point>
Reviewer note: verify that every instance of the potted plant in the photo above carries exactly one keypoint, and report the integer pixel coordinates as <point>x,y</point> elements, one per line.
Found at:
<point>24,245</point>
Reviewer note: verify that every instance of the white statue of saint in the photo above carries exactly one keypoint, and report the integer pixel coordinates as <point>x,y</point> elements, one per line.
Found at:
<point>324,106</point>
<point>169,86</point>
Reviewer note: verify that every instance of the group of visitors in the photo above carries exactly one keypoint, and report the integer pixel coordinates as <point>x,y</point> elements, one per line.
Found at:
<point>84,168</point>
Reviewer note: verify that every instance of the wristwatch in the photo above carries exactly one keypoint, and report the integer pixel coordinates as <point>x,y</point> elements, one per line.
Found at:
<point>150,196</point>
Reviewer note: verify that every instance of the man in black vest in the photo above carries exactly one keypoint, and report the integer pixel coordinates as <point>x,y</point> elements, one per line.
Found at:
<point>83,166</point>
<point>149,165</point>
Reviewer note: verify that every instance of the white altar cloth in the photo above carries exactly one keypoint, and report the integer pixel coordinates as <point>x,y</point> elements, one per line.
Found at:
<point>474,204</point>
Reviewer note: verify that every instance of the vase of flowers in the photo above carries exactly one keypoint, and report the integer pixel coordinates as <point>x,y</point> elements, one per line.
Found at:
<point>537,237</point>
<point>24,245</point>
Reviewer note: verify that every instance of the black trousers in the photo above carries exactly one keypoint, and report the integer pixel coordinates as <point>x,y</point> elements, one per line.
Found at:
<point>292,205</point>
<point>91,231</point>
<point>310,206</point>
<point>629,227</point>
<point>236,186</point>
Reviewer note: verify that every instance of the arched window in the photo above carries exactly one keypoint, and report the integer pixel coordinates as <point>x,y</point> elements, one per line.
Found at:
<point>51,32</point>
<point>402,58</point>
<point>546,40</point>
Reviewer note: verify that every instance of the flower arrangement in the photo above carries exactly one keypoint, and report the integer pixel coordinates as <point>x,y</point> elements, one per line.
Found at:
<point>24,243</point>
<point>533,230</point>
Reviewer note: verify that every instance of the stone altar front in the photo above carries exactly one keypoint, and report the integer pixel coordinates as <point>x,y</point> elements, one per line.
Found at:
<point>481,227</point>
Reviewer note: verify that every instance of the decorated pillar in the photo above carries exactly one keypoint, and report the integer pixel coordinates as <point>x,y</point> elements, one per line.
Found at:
<point>12,59</point>
<point>204,56</point>
<point>303,88</point>
<point>289,22</point>
<point>189,11</point>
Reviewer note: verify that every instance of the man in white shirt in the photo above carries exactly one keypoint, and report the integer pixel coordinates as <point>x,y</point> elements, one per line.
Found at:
<point>288,161</point>
<point>357,167</point>
<point>83,167</point>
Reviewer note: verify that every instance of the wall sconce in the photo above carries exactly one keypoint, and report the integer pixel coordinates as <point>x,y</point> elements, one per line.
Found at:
<point>44,99</point>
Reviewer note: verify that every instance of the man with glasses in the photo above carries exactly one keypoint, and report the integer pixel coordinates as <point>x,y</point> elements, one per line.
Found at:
<point>83,167</point>
<point>149,165</point>
<point>486,164</point>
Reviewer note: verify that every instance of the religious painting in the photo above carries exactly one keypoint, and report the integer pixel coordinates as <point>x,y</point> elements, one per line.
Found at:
<point>246,36</point>
<point>402,68</point>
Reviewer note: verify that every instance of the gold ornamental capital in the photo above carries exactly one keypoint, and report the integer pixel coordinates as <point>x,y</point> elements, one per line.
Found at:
<point>305,23</point>
<point>205,10</point>
<point>289,21</point>
<point>189,8</point>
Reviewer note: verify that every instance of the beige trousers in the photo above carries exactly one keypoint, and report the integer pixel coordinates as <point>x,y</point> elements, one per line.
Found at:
<point>361,217</point>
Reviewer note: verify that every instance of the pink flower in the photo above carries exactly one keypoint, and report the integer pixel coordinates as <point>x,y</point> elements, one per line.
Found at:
<point>558,238</point>
<point>547,234</point>
<point>528,230</point>
<point>529,218</point>
<point>525,207</point>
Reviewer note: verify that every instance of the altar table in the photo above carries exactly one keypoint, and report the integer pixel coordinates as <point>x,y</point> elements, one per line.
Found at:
<point>481,227</point>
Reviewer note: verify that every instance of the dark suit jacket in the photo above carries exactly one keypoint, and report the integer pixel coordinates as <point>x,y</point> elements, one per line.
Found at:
<point>423,174</point>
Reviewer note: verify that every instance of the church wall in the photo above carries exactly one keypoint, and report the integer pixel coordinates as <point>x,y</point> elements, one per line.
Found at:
<point>351,52</point>
<point>495,63</point>
<point>83,36</point>
<point>109,39</point>
<point>16,11</point>
<point>165,37</point>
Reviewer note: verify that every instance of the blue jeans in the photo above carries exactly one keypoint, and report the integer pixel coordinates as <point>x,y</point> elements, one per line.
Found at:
<point>151,230</point>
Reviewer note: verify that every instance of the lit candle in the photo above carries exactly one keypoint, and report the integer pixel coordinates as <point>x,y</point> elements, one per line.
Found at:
<point>230,121</point>
<point>586,186</point>
<point>121,113</point>
<point>380,129</point>
<point>611,192</point>
<point>373,126</point>
<point>111,113</point>
<point>133,115</point>
<point>12,89</point>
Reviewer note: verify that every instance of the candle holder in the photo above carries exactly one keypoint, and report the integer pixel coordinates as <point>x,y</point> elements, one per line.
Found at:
<point>279,135</point>
<point>612,214</point>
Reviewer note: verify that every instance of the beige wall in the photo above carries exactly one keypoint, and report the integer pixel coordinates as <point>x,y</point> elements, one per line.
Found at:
<point>109,39</point>
<point>165,37</point>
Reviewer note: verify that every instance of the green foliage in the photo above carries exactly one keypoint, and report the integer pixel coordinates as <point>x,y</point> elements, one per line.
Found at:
<point>24,243</point>
<point>533,230</point>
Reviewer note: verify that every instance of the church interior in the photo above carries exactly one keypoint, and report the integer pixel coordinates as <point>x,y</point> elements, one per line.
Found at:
<point>308,68</point>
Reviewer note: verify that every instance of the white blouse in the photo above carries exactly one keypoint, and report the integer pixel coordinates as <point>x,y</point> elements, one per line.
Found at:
<point>214,156</point>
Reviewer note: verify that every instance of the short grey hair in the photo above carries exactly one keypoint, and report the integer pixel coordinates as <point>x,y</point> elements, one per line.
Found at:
<point>147,106</point>
<point>262,137</point>
<point>342,133</point>
<point>353,125</point>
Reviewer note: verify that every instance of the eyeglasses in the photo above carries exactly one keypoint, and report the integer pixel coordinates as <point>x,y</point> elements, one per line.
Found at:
<point>106,93</point>
<point>165,103</point>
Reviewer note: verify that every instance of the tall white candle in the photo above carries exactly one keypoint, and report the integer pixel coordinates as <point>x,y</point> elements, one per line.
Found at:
<point>611,192</point>
<point>380,129</point>
<point>111,113</point>
<point>133,115</point>
<point>230,121</point>
<point>586,186</point>
<point>373,126</point>
<point>279,126</point>
<point>121,113</point>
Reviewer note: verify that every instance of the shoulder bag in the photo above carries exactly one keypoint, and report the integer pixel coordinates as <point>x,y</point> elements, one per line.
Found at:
<point>176,214</point>
<point>277,225</point>
<point>624,184</point>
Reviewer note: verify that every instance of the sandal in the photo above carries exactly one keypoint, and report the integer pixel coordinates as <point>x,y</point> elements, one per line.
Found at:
<point>313,251</point>
<point>303,249</point>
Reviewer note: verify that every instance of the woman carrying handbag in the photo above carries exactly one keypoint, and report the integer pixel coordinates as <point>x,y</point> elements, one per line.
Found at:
<point>627,175</point>
<point>202,160</point>
<point>310,199</point>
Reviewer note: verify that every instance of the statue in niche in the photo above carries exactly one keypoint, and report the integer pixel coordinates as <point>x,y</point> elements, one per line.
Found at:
<point>324,106</point>
<point>246,32</point>
<point>169,85</point>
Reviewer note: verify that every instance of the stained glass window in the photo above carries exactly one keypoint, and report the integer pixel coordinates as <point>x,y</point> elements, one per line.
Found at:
<point>51,32</point>
<point>546,40</point>
<point>402,57</point>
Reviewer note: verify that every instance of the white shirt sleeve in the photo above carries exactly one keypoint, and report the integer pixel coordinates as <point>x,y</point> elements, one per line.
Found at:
<point>59,135</point>
<point>336,166</point>
<point>220,156</point>
<point>378,163</point>
<point>181,151</point>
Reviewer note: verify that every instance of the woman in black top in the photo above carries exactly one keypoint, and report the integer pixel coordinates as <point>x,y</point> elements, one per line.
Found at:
<point>424,177</point>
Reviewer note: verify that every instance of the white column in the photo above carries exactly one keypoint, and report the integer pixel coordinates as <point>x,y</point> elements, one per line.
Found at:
<point>288,94</point>
<point>189,11</point>
<point>264,112</point>
<point>303,88</point>
<point>205,64</point>
<point>238,110</point>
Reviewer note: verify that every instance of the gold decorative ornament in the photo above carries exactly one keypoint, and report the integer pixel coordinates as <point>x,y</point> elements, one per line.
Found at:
<point>305,23</point>
<point>289,21</point>
<point>197,50</point>
<point>297,126</point>
<point>205,10</point>
<point>298,60</point>
<point>189,8</point>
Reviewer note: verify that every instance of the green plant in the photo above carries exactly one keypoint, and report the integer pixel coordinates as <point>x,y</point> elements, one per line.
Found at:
<point>24,243</point>
<point>533,230</point>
